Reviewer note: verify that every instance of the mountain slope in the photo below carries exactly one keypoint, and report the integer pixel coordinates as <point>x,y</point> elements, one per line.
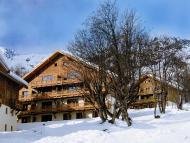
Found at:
<point>25,61</point>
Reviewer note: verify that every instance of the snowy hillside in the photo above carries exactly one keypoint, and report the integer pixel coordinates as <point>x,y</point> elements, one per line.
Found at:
<point>27,61</point>
<point>172,127</point>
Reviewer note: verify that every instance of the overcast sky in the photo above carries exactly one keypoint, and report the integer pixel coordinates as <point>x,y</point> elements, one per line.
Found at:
<point>39,26</point>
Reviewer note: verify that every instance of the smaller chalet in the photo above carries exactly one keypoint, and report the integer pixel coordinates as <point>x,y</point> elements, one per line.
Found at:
<point>9,91</point>
<point>151,87</point>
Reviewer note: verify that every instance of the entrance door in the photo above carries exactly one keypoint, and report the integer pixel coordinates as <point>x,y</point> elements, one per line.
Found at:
<point>25,119</point>
<point>46,118</point>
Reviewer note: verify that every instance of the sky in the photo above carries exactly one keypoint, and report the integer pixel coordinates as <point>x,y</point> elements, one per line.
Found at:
<point>44,26</point>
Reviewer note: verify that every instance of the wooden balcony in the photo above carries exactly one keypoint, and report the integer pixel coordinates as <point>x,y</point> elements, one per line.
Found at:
<point>56,81</point>
<point>63,108</point>
<point>50,95</point>
<point>144,103</point>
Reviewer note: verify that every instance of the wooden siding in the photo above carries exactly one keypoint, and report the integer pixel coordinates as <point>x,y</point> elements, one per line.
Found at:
<point>146,92</point>
<point>8,91</point>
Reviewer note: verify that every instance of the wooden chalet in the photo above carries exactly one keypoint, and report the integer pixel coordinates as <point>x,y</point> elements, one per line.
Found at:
<point>54,91</point>
<point>151,87</point>
<point>9,92</point>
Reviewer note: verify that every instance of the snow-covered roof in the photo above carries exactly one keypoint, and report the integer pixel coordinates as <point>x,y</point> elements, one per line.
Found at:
<point>169,83</point>
<point>10,74</point>
<point>17,78</point>
<point>3,63</point>
<point>52,56</point>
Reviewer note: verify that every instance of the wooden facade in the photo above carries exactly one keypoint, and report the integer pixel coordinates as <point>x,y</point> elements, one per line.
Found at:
<point>54,91</point>
<point>152,87</point>
<point>9,86</point>
<point>9,93</point>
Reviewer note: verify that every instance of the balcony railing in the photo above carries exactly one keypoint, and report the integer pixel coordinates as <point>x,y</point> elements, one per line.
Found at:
<point>66,107</point>
<point>57,80</point>
<point>142,101</point>
<point>51,95</point>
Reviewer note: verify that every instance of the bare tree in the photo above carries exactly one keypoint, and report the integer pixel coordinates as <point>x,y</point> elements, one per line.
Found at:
<point>186,84</point>
<point>10,53</point>
<point>117,46</point>
<point>19,70</point>
<point>164,52</point>
<point>94,88</point>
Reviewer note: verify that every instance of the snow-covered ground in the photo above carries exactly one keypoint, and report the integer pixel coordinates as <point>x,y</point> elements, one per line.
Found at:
<point>173,127</point>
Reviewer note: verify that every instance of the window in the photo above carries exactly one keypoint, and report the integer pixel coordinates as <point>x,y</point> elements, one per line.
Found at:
<point>73,75</point>
<point>95,114</point>
<point>33,106</point>
<point>25,119</point>
<point>11,128</point>
<point>12,112</point>
<point>25,93</point>
<point>72,87</point>
<point>46,118</point>
<point>46,105</point>
<point>47,78</point>
<point>79,115</point>
<point>148,88</point>
<point>6,111</point>
<point>157,88</point>
<point>55,64</point>
<point>34,119</point>
<point>72,101</point>
<point>5,127</point>
<point>65,64</point>
<point>25,107</point>
<point>66,116</point>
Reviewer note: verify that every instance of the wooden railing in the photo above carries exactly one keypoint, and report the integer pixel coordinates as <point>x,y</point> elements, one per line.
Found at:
<point>66,107</point>
<point>51,95</point>
<point>56,81</point>
<point>145,101</point>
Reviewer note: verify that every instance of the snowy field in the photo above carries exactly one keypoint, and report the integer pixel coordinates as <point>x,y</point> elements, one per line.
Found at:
<point>173,127</point>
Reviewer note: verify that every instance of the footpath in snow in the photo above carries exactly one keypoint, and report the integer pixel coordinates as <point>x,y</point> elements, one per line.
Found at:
<point>172,127</point>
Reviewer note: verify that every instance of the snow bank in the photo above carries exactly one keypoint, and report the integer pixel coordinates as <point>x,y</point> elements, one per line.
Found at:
<point>173,127</point>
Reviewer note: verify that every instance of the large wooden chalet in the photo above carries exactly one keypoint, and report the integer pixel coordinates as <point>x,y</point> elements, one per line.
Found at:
<point>9,92</point>
<point>54,92</point>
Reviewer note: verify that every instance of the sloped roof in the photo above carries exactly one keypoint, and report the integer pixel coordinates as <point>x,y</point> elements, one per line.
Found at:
<point>3,63</point>
<point>10,74</point>
<point>171,83</point>
<point>53,56</point>
<point>45,62</point>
